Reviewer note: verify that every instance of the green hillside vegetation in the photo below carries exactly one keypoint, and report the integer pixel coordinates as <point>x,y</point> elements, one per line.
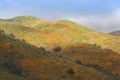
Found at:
<point>60,33</point>
<point>23,60</point>
<point>24,20</point>
<point>75,25</point>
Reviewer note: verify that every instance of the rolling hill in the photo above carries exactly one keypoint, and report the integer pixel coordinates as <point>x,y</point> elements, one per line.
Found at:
<point>24,20</point>
<point>115,33</point>
<point>52,34</point>
<point>76,62</point>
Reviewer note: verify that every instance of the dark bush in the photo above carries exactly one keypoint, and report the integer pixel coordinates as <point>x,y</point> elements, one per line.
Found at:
<point>57,49</point>
<point>94,45</point>
<point>1,31</point>
<point>78,62</point>
<point>97,46</point>
<point>23,40</point>
<point>71,71</point>
<point>12,35</point>
<point>42,48</point>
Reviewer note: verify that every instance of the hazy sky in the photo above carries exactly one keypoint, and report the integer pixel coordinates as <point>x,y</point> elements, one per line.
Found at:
<point>102,15</point>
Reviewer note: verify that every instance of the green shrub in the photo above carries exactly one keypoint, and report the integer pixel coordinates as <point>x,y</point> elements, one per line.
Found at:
<point>12,35</point>
<point>1,31</point>
<point>78,62</point>
<point>97,46</point>
<point>57,49</point>
<point>71,71</point>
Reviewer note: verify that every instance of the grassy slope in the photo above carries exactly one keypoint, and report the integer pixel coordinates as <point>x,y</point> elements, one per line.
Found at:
<point>104,60</point>
<point>42,64</point>
<point>24,20</point>
<point>93,37</point>
<point>61,33</point>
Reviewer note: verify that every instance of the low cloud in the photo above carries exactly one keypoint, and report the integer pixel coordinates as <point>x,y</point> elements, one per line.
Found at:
<point>104,23</point>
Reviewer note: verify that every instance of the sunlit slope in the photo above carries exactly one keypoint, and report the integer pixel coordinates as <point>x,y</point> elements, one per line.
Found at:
<point>60,33</point>
<point>29,21</point>
<point>94,37</point>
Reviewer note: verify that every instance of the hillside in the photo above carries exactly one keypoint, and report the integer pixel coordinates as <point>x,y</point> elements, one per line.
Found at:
<point>115,33</point>
<point>93,56</point>
<point>52,34</point>
<point>6,75</point>
<point>29,21</point>
<point>24,60</point>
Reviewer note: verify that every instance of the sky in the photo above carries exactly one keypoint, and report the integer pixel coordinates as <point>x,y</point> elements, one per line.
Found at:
<point>101,15</point>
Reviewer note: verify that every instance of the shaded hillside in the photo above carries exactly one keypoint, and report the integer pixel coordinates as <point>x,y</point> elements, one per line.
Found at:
<point>115,33</point>
<point>93,56</point>
<point>23,59</point>
<point>6,75</point>
<point>60,33</point>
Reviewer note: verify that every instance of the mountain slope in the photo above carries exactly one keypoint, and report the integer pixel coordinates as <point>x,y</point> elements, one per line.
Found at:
<point>60,33</point>
<point>115,33</point>
<point>20,58</point>
<point>93,56</point>
<point>24,20</point>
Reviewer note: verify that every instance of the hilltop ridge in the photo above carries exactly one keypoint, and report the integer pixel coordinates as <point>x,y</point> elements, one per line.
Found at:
<point>29,21</point>
<point>59,33</point>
